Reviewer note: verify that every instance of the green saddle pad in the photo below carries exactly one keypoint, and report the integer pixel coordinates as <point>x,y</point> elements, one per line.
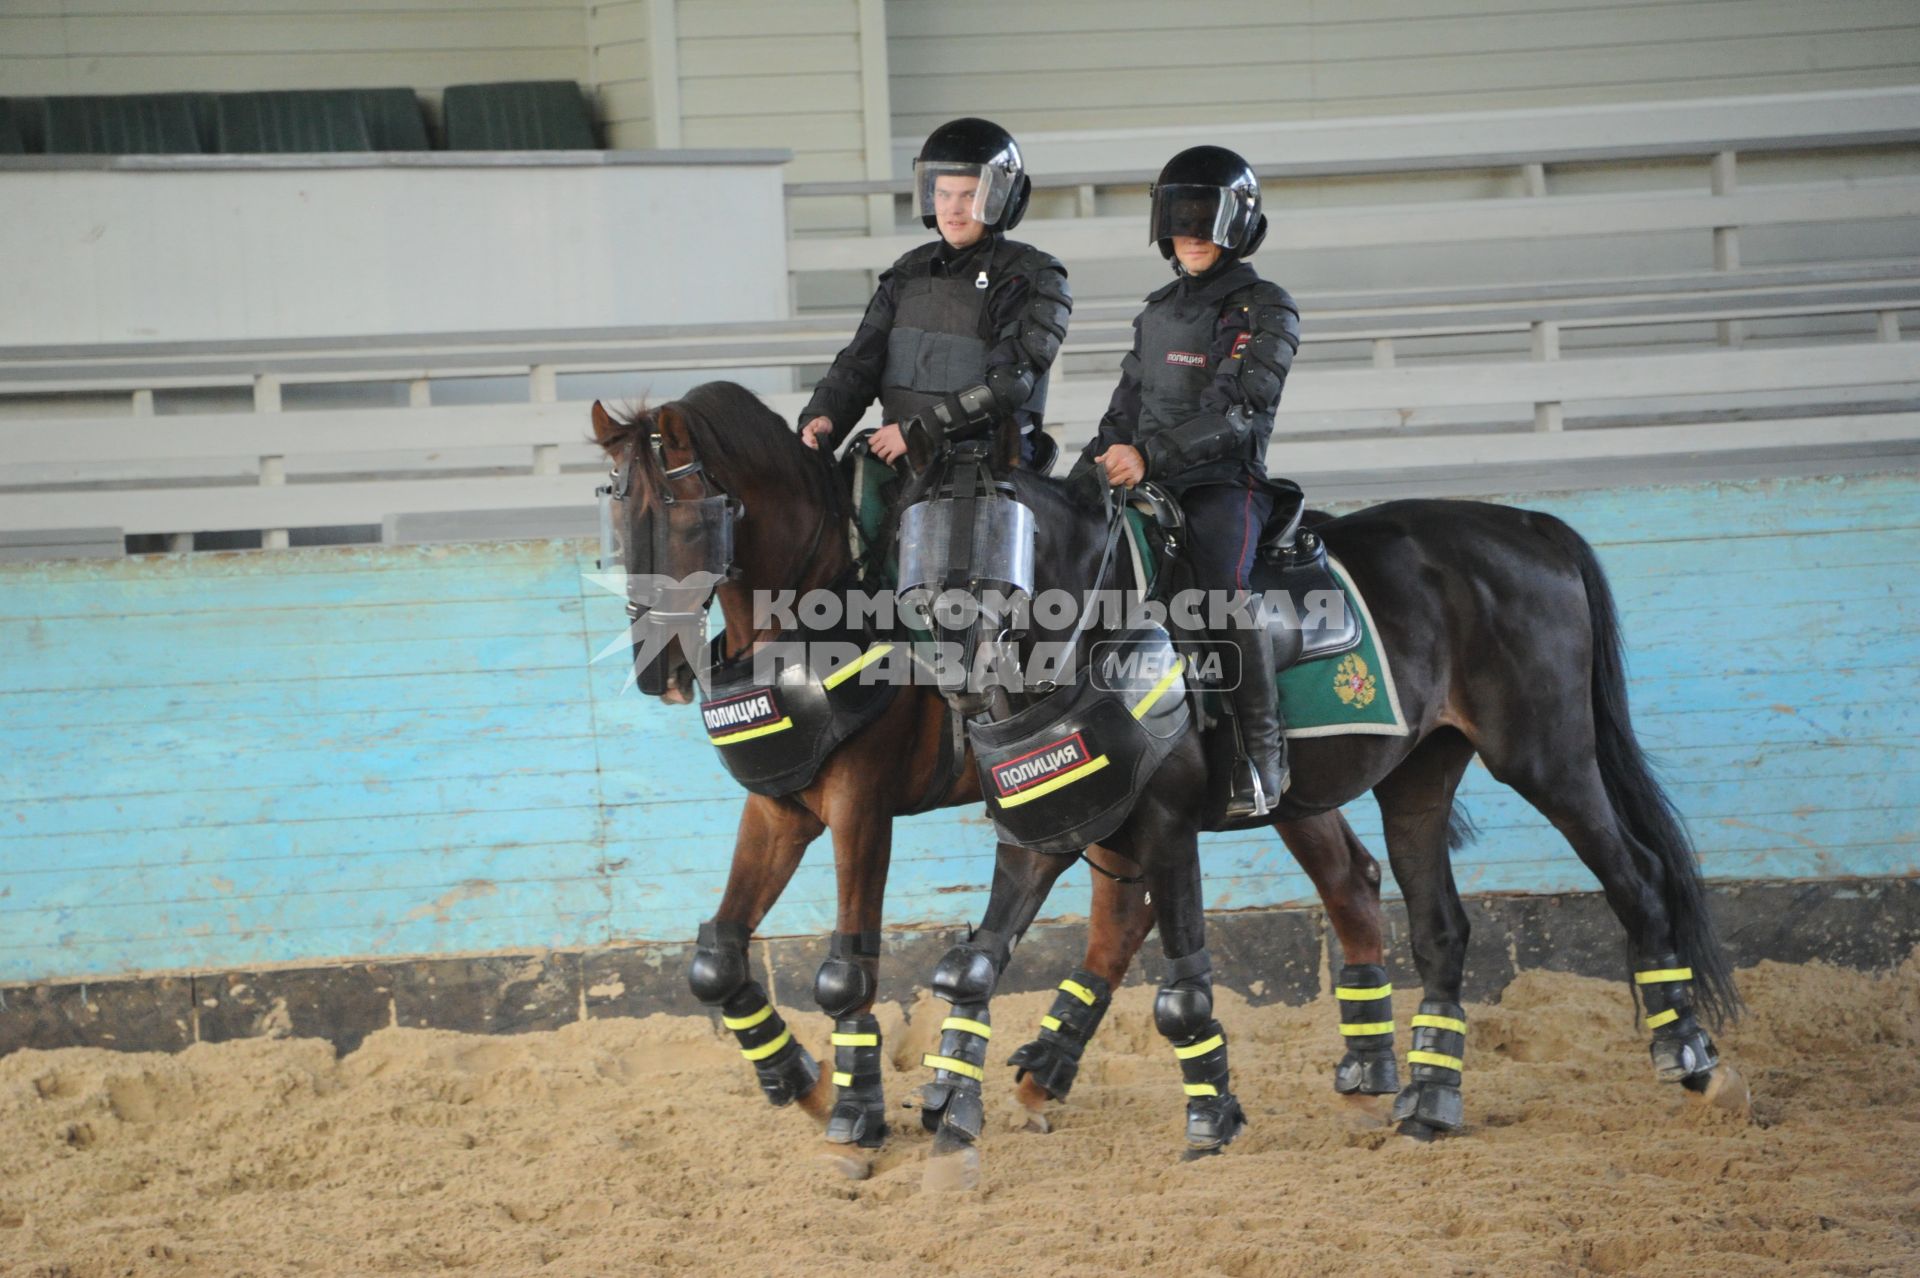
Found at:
<point>1343,693</point>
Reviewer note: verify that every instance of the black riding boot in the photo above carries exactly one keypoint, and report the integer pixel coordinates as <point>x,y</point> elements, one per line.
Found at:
<point>1257,787</point>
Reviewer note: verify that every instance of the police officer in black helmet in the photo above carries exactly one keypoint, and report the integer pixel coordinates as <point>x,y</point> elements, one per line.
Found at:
<point>961,332</point>
<point>1194,410</point>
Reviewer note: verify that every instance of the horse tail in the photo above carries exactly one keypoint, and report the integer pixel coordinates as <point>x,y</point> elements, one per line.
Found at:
<point>1461,830</point>
<point>1640,804</point>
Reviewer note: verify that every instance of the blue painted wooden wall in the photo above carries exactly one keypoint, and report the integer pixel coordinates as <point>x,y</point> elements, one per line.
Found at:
<point>219,761</point>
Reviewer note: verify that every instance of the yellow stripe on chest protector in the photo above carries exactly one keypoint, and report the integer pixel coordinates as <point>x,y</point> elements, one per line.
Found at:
<point>1366,1028</point>
<point>1667,1017</point>
<point>1434,1058</point>
<point>765,1050</point>
<point>965,1069</point>
<point>1348,993</point>
<point>855,666</point>
<point>751,733</point>
<point>748,1021</point>
<point>971,1027</point>
<point>1045,788</point>
<point>1145,703</point>
<point>1201,1048</point>
<point>1663,975</point>
<point>1440,1022</point>
<point>1079,991</point>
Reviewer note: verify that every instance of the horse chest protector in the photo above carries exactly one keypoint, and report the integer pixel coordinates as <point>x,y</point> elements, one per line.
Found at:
<point>774,733</point>
<point>1067,770</point>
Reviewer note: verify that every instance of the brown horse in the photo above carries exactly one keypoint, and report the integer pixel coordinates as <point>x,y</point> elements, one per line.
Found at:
<point>789,511</point>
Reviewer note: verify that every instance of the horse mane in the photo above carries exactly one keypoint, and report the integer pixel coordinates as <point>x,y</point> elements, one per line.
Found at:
<point>741,442</point>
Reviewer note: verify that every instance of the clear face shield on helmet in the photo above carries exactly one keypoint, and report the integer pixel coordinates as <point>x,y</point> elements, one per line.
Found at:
<point>941,187</point>
<point>1203,212</point>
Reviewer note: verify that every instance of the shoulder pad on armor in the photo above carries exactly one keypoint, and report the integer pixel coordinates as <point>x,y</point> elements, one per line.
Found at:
<point>1027,260</point>
<point>1165,290</point>
<point>1261,294</point>
<point>916,258</point>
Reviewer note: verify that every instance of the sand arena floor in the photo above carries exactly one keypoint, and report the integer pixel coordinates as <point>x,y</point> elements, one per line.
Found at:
<point>642,1147</point>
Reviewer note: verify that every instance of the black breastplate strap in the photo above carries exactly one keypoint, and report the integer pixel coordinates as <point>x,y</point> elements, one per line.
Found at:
<point>773,736</point>
<point>1067,770</point>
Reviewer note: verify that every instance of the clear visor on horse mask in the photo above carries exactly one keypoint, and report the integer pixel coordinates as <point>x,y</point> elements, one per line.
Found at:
<point>995,552</point>
<point>682,550</point>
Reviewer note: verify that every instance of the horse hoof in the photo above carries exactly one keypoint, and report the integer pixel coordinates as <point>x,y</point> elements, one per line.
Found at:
<point>1724,1087</point>
<point>1419,1132</point>
<point>1035,1121</point>
<point>1031,1095</point>
<point>851,1162</point>
<point>1363,1111</point>
<point>957,1170</point>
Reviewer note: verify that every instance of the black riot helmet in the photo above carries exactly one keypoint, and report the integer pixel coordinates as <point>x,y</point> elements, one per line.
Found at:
<point>976,149</point>
<point>1211,193</point>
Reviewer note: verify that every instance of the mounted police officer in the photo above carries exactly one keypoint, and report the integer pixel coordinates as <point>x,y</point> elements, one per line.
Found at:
<point>960,332</point>
<point>1194,410</point>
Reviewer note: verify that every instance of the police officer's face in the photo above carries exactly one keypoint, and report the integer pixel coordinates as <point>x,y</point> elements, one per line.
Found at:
<point>1195,254</point>
<point>953,210</point>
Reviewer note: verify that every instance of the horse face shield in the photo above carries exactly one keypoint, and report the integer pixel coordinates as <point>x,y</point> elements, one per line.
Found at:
<point>676,551</point>
<point>966,565</point>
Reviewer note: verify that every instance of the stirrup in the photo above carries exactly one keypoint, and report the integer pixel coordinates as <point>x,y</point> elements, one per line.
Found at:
<point>1254,801</point>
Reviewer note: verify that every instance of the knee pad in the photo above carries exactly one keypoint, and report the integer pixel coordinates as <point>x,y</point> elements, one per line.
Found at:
<point>846,981</point>
<point>965,975</point>
<point>1182,1011</point>
<point>968,973</point>
<point>1184,1006</point>
<point>719,966</point>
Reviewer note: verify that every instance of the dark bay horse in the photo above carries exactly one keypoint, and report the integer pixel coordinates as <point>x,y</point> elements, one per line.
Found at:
<point>1504,642</point>
<point>789,534</point>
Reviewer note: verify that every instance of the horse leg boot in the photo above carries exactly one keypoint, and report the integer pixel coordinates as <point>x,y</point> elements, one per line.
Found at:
<point>844,988</point>
<point>719,978</point>
<point>1183,1013</point>
<point>1257,718</point>
<point>951,1105</point>
<point>1365,996</point>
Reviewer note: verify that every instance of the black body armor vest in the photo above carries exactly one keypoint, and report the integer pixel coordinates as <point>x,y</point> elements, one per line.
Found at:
<point>939,342</point>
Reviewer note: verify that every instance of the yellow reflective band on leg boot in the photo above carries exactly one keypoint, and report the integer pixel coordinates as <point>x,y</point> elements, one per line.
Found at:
<point>859,1114</point>
<point>1431,1103</point>
<point>784,1068</point>
<point>1680,1048</point>
<point>1365,998</point>
<point>1053,1058</point>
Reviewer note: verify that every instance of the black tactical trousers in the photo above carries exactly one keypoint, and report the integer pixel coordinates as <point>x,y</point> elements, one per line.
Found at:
<point>1223,531</point>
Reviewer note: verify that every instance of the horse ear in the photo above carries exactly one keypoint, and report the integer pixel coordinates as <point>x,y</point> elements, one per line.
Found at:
<point>602,426</point>
<point>673,430</point>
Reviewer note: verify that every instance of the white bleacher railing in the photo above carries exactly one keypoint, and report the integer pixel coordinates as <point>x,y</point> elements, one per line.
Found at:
<point>1371,389</point>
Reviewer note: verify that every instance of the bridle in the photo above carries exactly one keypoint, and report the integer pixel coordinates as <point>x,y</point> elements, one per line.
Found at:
<point>673,606</point>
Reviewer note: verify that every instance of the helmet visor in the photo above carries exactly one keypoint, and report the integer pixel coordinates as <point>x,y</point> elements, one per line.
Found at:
<point>978,190</point>
<point>1204,212</point>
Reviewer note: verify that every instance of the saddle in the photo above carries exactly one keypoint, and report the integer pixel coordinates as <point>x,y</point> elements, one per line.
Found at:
<point>1316,618</point>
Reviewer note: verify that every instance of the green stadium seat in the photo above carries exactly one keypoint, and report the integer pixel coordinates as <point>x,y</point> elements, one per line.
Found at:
<point>12,140</point>
<point>394,119</point>
<point>540,115</point>
<point>128,124</point>
<point>292,120</point>
<point>30,121</point>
